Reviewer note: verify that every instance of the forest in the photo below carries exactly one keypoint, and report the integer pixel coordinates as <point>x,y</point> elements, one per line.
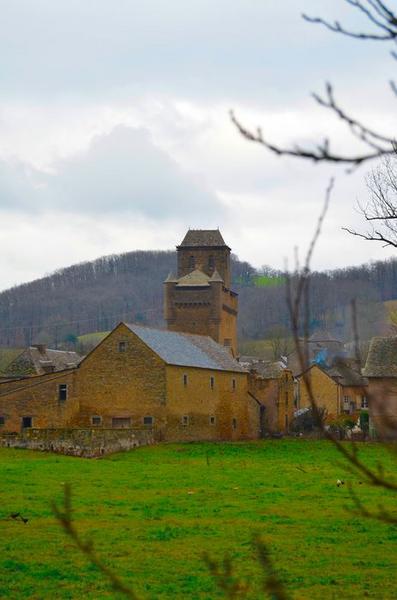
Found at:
<point>94,296</point>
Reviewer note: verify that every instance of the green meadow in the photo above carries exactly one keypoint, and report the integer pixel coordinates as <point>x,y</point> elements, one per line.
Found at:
<point>152,513</point>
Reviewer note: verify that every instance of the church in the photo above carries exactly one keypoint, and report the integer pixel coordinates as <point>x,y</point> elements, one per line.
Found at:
<point>184,383</point>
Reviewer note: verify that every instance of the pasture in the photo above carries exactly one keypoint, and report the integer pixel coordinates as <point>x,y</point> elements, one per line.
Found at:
<point>153,512</point>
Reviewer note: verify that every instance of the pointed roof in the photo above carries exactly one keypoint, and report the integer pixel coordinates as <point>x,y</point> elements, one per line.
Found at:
<point>216,277</point>
<point>382,357</point>
<point>196,278</point>
<point>203,238</point>
<point>171,278</point>
<point>186,349</point>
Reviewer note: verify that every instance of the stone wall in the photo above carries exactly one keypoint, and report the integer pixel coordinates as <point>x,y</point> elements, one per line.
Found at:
<point>87,443</point>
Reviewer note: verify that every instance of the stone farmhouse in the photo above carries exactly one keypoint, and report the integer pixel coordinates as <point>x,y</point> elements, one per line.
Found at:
<point>381,371</point>
<point>182,383</point>
<point>339,388</point>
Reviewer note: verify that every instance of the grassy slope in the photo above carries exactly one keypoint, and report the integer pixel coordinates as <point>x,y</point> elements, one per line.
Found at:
<point>137,510</point>
<point>7,355</point>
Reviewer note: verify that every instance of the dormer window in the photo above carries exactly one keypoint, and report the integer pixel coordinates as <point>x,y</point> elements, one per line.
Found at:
<point>192,262</point>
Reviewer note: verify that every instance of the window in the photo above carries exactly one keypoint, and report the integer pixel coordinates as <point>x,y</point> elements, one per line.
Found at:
<point>122,346</point>
<point>121,422</point>
<point>192,262</point>
<point>185,420</point>
<point>62,392</point>
<point>212,420</point>
<point>211,262</point>
<point>96,420</point>
<point>185,380</point>
<point>233,385</point>
<point>286,399</point>
<point>26,422</point>
<point>2,421</point>
<point>227,342</point>
<point>212,382</point>
<point>234,423</point>
<point>364,402</point>
<point>148,420</point>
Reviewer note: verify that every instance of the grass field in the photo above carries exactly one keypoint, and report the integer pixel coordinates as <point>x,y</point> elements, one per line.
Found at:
<point>152,512</point>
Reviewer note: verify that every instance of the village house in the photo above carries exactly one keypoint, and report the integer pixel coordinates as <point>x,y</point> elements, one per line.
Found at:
<point>183,386</point>
<point>381,371</point>
<point>339,388</point>
<point>38,359</point>
<point>272,383</point>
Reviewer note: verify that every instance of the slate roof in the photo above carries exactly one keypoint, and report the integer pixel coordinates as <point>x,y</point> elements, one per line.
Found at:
<point>187,350</point>
<point>343,372</point>
<point>40,360</point>
<point>265,368</point>
<point>202,237</point>
<point>382,357</point>
<point>347,374</point>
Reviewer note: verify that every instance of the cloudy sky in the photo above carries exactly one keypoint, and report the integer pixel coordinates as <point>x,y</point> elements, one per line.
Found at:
<point>115,132</point>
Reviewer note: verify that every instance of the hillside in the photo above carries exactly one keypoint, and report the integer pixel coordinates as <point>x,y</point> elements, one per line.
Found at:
<point>94,296</point>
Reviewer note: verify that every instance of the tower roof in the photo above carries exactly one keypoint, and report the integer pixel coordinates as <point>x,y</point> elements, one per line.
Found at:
<point>195,278</point>
<point>203,237</point>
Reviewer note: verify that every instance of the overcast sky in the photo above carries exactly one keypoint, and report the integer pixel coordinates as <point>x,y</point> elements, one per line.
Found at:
<point>115,134</point>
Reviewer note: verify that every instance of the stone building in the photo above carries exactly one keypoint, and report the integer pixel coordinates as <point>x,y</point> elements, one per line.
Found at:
<point>273,385</point>
<point>381,371</point>
<point>183,386</point>
<point>340,388</point>
<point>199,299</point>
<point>38,359</point>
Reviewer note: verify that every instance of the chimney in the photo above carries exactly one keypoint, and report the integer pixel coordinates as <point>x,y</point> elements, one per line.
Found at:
<point>40,347</point>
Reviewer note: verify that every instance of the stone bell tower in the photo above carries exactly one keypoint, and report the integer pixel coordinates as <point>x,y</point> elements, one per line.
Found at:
<point>199,299</point>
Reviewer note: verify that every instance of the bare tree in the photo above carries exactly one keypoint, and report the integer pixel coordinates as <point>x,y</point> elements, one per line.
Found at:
<point>381,209</point>
<point>383,22</point>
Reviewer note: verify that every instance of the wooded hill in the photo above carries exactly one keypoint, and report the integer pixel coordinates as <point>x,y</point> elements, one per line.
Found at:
<point>95,296</point>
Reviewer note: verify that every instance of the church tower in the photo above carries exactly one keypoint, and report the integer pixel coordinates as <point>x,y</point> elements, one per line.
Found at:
<point>199,299</point>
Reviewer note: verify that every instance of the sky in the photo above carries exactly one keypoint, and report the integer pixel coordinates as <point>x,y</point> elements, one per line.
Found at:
<point>115,132</point>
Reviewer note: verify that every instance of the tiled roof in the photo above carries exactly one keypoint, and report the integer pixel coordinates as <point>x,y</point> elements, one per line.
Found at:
<point>187,350</point>
<point>346,374</point>
<point>382,357</point>
<point>203,237</point>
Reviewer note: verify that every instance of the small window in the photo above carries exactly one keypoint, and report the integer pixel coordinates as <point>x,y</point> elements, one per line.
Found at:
<point>148,420</point>
<point>185,380</point>
<point>212,382</point>
<point>2,421</point>
<point>122,346</point>
<point>212,420</point>
<point>234,423</point>
<point>286,399</point>
<point>185,420</point>
<point>364,402</point>
<point>26,422</point>
<point>96,420</point>
<point>211,262</point>
<point>233,385</point>
<point>192,262</point>
<point>62,392</point>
